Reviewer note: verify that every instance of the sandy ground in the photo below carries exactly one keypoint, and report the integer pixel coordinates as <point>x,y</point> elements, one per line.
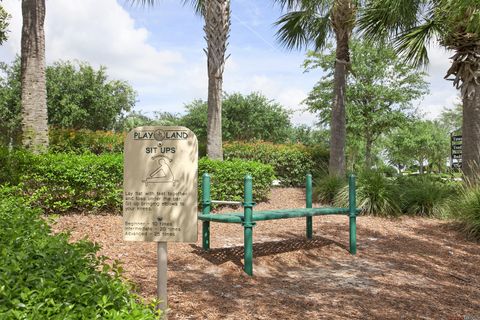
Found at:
<point>408,268</point>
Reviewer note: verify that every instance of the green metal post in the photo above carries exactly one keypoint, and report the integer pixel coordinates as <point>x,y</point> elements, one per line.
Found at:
<point>352,204</point>
<point>308,191</point>
<point>206,203</point>
<point>248,225</point>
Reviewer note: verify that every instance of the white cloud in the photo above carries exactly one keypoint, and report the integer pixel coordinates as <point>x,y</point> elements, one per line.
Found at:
<point>168,73</point>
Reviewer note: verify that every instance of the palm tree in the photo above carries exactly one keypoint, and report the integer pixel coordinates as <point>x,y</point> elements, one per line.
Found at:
<point>33,83</point>
<point>314,22</point>
<point>217,28</point>
<point>455,25</point>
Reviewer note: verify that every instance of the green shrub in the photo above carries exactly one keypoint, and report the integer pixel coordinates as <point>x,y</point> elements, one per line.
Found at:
<point>326,188</point>
<point>423,195</point>
<point>90,183</point>
<point>465,208</point>
<point>81,141</point>
<point>61,182</point>
<point>291,162</point>
<point>376,194</point>
<point>43,276</point>
<point>227,178</point>
<point>13,164</point>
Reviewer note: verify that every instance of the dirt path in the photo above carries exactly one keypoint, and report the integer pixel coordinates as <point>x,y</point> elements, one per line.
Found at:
<point>409,268</point>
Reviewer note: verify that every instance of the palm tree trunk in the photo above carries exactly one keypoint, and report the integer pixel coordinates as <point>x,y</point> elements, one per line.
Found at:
<point>471,136</point>
<point>34,92</point>
<point>217,27</point>
<point>214,126</point>
<point>343,21</point>
<point>338,132</point>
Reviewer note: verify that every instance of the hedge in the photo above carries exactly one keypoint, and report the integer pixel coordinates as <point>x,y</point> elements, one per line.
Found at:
<point>43,276</point>
<point>81,141</point>
<point>291,162</point>
<point>91,183</point>
<point>227,178</point>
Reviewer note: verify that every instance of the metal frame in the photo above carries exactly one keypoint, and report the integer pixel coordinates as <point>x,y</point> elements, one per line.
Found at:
<point>249,217</point>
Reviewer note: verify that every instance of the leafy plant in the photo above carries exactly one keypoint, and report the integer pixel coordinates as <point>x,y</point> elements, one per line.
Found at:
<point>423,195</point>
<point>376,194</point>
<point>227,178</point>
<point>43,276</point>
<point>291,162</point>
<point>326,188</point>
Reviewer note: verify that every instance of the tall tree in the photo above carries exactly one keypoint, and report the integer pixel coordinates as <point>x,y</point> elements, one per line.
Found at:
<point>34,92</point>
<point>454,24</point>
<point>217,28</point>
<point>216,14</point>
<point>380,91</point>
<point>313,22</point>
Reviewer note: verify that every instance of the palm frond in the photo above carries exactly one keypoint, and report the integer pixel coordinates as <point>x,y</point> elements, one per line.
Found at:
<point>383,18</point>
<point>143,2</point>
<point>300,28</point>
<point>412,44</point>
<point>295,5</point>
<point>197,5</point>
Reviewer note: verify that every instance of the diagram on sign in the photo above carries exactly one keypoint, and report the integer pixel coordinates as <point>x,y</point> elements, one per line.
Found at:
<point>162,172</point>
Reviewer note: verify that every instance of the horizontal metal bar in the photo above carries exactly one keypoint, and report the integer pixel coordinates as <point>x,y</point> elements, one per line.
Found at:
<point>226,202</point>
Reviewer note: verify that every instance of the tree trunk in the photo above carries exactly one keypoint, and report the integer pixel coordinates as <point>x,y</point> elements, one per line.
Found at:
<point>214,127</point>
<point>343,21</point>
<point>471,137</point>
<point>338,131</point>
<point>217,27</point>
<point>34,92</point>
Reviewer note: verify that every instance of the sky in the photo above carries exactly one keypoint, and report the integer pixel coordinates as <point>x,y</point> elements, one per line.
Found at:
<point>159,51</point>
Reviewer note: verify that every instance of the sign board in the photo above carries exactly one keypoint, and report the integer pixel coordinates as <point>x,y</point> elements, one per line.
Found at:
<point>160,185</point>
<point>456,147</point>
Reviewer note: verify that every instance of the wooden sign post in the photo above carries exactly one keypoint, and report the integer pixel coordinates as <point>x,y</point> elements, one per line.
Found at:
<point>160,191</point>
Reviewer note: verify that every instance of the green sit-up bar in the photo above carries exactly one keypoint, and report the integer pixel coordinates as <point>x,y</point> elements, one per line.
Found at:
<point>248,218</point>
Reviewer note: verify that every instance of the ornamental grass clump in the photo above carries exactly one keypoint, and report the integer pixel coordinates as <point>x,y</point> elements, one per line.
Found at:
<point>424,195</point>
<point>465,208</point>
<point>376,194</point>
<point>326,188</point>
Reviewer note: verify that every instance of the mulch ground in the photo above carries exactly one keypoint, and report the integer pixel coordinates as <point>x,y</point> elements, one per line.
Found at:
<point>407,268</point>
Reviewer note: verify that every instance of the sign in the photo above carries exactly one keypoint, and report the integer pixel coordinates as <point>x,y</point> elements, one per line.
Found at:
<point>456,150</point>
<point>457,147</point>
<point>160,185</point>
<point>457,165</point>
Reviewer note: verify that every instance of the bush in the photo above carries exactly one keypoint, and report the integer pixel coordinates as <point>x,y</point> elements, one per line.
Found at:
<point>326,188</point>
<point>13,164</point>
<point>227,178</point>
<point>291,162</point>
<point>376,194</point>
<point>90,183</point>
<point>81,141</point>
<point>465,208</point>
<point>62,182</point>
<point>43,276</point>
<point>423,195</point>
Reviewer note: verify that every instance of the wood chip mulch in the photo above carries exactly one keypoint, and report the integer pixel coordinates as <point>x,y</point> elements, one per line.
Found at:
<point>406,268</point>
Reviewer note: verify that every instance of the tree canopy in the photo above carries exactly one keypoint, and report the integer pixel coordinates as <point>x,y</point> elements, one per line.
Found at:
<point>380,91</point>
<point>78,97</point>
